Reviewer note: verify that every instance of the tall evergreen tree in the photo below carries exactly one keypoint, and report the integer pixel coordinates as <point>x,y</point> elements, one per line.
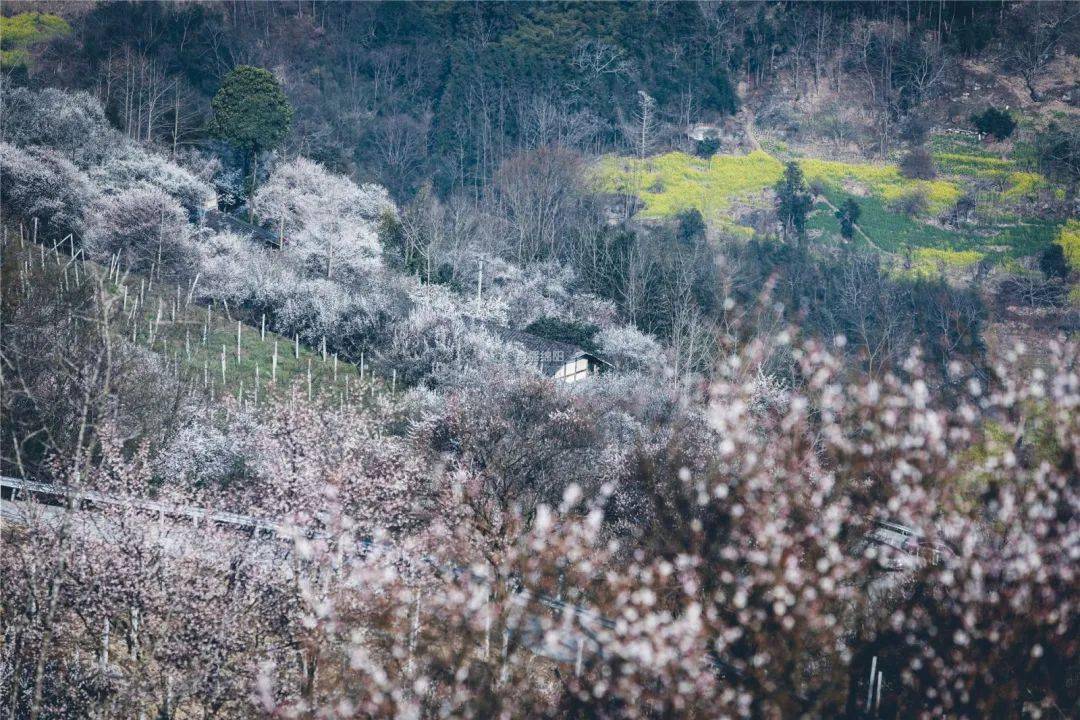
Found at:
<point>252,113</point>
<point>793,201</point>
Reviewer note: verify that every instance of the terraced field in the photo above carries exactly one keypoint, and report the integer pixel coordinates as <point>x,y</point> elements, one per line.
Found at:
<point>210,348</point>
<point>223,354</point>
<point>727,188</point>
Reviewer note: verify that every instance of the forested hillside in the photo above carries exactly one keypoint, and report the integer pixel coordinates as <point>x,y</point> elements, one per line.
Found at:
<point>481,359</point>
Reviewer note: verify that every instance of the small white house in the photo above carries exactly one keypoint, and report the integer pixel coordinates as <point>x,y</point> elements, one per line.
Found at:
<point>557,360</point>
<point>579,367</point>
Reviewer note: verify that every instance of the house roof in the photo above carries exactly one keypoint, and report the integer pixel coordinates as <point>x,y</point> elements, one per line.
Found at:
<point>221,222</point>
<point>550,355</point>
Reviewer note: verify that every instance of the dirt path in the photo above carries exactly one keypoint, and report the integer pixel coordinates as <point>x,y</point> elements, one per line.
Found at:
<point>756,145</point>
<point>750,136</point>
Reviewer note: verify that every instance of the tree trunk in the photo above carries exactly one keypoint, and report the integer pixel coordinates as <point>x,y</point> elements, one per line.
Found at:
<point>1029,81</point>
<point>254,180</point>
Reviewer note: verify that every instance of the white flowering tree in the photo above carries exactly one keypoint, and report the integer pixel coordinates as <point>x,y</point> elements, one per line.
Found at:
<point>328,223</point>
<point>127,166</point>
<point>628,348</point>
<point>37,182</point>
<point>146,227</point>
<point>743,587</point>
<point>235,270</point>
<point>73,124</point>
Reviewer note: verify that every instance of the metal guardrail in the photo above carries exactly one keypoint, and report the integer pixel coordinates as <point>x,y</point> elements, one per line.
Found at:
<point>12,488</point>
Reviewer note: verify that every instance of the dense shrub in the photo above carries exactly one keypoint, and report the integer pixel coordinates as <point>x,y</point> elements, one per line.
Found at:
<point>1052,261</point>
<point>918,164</point>
<point>963,211</point>
<point>992,121</point>
<point>1058,152</point>
<point>235,270</point>
<point>690,227</point>
<point>912,203</point>
<point>915,130</point>
<point>566,331</point>
<point>707,147</point>
<point>329,223</point>
<point>628,348</point>
<point>848,215</point>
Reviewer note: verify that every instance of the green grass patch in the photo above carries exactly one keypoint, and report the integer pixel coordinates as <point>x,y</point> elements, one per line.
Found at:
<point>972,165</point>
<point>1024,185</point>
<point>19,33</point>
<point>202,343</point>
<point>890,231</point>
<point>928,262</point>
<point>1023,238</point>
<point>668,184</point>
<point>882,181</point>
<point>958,143</point>
<point>963,158</point>
<point>1069,239</point>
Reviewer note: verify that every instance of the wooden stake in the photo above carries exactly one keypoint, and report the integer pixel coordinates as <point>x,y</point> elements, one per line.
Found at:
<point>273,367</point>
<point>870,688</point>
<point>877,695</point>
<point>191,292</point>
<point>262,335</point>
<point>297,352</point>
